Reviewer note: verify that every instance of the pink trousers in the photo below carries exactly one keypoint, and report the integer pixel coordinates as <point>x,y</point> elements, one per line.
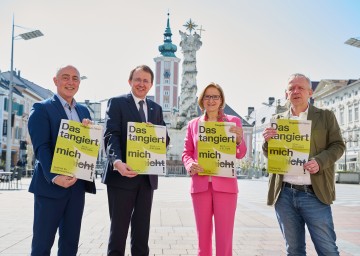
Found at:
<point>222,206</point>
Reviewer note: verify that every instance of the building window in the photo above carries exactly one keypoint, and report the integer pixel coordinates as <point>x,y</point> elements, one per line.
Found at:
<point>167,65</point>
<point>166,93</point>
<point>18,133</point>
<point>342,116</point>
<point>6,104</point>
<point>5,128</point>
<point>350,112</point>
<point>356,112</point>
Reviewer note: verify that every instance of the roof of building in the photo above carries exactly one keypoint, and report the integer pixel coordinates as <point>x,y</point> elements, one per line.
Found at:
<point>26,84</point>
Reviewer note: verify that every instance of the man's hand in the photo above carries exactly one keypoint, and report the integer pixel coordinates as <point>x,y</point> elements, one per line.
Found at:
<point>312,166</point>
<point>124,169</point>
<point>268,133</point>
<point>86,122</point>
<point>64,181</point>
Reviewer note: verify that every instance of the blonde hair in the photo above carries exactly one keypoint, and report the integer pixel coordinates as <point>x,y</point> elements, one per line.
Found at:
<point>202,94</point>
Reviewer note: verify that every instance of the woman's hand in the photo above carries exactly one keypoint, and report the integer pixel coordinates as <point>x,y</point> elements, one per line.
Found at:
<point>195,168</point>
<point>239,133</point>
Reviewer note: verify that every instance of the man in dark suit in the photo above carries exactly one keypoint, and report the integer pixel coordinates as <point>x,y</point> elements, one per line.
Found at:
<point>129,195</point>
<point>58,200</point>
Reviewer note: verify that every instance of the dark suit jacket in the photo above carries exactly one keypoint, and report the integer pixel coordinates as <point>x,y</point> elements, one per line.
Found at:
<point>44,122</point>
<point>120,111</point>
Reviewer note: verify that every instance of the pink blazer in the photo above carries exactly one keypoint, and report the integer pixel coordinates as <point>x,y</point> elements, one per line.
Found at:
<point>190,155</point>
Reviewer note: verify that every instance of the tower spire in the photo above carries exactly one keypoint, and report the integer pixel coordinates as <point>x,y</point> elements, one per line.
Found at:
<point>168,49</point>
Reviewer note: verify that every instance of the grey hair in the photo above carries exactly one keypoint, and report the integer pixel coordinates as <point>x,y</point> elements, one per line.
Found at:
<point>67,66</point>
<point>296,75</point>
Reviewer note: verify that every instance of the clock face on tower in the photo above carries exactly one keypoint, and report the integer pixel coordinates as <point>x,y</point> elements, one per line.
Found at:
<point>167,74</point>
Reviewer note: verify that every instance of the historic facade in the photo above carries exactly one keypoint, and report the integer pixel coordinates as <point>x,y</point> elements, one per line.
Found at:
<point>25,94</point>
<point>167,76</point>
<point>343,98</point>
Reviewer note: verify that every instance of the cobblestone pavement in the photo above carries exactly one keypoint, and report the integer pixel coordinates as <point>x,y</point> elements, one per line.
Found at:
<point>172,225</point>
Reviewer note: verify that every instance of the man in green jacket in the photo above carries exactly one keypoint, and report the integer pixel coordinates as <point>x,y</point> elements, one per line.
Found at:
<point>306,198</point>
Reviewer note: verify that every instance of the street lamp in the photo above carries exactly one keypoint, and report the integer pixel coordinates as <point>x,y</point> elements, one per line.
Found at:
<point>353,41</point>
<point>25,36</point>
<point>252,111</point>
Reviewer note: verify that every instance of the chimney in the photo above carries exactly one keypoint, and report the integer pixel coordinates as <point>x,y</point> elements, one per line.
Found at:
<point>271,100</point>
<point>250,110</point>
<point>18,73</point>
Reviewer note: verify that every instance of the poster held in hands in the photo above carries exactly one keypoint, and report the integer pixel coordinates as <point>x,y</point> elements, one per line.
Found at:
<point>146,148</point>
<point>76,150</point>
<point>289,150</point>
<point>217,149</point>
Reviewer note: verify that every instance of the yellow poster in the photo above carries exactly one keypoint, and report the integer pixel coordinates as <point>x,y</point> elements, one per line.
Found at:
<point>217,149</point>
<point>289,150</point>
<point>146,148</point>
<point>76,150</point>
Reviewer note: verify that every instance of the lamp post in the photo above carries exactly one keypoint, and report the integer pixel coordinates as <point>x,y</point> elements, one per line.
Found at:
<point>346,140</point>
<point>251,110</point>
<point>2,97</point>
<point>25,36</point>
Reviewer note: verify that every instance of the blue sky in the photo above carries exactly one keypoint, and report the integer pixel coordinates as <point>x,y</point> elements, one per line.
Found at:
<point>249,47</point>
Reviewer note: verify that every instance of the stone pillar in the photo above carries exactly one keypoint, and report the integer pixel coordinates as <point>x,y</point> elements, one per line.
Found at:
<point>189,44</point>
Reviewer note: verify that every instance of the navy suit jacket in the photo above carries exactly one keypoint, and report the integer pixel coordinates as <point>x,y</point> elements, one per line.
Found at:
<point>120,111</point>
<point>43,125</point>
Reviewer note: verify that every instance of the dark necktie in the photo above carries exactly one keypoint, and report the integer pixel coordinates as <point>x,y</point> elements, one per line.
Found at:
<point>141,111</point>
<point>69,107</point>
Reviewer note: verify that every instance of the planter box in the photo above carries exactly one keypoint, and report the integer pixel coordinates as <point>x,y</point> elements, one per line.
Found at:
<point>349,177</point>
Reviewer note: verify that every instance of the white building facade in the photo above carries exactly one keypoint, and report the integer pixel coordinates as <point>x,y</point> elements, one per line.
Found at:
<point>342,97</point>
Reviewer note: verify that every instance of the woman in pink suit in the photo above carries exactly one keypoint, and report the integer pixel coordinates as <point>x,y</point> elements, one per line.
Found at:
<point>212,195</point>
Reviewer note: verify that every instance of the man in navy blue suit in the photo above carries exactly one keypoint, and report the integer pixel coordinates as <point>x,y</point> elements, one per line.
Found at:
<point>129,195</point>
<point>58,200</point>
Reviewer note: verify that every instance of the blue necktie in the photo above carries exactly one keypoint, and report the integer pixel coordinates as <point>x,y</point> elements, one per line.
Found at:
<point>141,111</point>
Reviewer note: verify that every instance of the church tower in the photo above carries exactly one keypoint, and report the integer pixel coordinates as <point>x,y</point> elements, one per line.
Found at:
<point>167,76</point>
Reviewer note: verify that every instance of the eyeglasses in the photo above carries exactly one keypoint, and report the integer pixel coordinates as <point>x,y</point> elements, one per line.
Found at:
<point>138,80</point>
<point>214,97</point>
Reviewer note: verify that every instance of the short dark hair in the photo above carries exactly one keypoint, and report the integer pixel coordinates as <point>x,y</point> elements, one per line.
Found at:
<point>145,68</point>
